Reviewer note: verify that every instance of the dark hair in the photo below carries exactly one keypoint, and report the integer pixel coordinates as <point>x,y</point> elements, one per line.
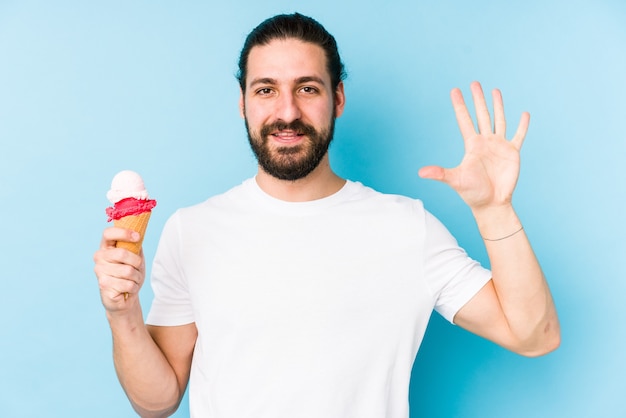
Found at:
<point>294,26</point>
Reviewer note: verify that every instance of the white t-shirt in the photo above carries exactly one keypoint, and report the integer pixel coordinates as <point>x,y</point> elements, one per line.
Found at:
<point>308,309</point>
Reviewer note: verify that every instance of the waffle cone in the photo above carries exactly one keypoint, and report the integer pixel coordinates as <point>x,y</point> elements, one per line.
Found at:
<point>138,223</point>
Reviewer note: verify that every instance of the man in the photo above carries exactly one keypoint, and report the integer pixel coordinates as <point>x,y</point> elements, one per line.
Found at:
<point>301,294</point>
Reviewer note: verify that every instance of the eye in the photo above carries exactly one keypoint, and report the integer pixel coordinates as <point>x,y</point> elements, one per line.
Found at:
<point>265,91</point>
<point>309,90</point>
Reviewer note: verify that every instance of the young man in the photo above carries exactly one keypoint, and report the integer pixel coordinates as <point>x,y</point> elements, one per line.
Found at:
<point>301,294</point>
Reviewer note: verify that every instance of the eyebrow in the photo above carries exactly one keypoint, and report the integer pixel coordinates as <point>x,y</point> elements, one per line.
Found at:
<point>308,79</point>
<point>300,80</point>
<point>265,80</point>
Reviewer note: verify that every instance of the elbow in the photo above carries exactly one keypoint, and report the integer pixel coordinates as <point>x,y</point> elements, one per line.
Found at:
<point>546,342</point>
<point>147,413</point>
<point>156,411</point>
<point>546,347</point>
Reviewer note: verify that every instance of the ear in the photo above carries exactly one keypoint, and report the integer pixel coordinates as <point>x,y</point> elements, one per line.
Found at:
<point>340,99</point>
<point>242,106</point>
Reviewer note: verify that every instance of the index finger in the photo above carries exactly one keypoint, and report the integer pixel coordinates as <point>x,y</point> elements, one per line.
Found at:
<point>113,234</point>
<point>463,117</point>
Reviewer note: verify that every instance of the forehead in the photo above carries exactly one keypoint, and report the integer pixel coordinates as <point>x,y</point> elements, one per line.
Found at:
<point>287,59</point>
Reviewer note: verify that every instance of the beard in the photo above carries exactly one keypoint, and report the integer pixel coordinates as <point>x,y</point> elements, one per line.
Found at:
<point>291,162</point>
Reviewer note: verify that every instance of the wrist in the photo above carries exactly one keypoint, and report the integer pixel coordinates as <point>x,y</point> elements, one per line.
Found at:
<point>126,319</point>
<point>497,222</point>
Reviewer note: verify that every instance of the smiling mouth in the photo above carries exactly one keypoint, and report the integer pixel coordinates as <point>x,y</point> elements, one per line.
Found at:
<point>287,133</point>
<point>287,136</point>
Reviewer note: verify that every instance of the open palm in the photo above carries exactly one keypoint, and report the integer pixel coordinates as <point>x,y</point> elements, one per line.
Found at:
<point>488,173</point>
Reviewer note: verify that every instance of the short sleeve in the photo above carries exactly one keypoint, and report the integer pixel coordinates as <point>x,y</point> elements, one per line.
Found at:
<point>172,303</point>
<point>453,276</point>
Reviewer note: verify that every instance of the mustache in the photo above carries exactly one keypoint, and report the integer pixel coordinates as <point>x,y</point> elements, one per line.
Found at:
<point>297,126</point>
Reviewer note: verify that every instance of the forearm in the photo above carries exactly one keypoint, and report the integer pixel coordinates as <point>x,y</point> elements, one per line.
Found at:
<point>145,374</point>
<point>518,280</point>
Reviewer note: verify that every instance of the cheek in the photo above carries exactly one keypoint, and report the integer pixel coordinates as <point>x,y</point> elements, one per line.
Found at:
<point>327,114</point>
<point>318,113</point>
<point>254,115</point>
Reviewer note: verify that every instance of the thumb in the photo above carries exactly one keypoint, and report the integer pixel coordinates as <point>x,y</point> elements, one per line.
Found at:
<point>433,172</point>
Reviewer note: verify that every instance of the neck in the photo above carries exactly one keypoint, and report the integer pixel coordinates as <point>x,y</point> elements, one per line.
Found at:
<point>320,183</point>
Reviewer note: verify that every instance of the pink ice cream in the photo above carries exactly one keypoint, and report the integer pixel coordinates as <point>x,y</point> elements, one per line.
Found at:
<point>128,195</point>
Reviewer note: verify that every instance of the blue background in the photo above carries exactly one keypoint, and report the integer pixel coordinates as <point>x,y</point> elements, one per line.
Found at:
<point>91,88</point>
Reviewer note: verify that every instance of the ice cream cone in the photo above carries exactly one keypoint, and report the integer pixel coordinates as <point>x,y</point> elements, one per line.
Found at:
<point>137,223</point>
<point>131,206</point>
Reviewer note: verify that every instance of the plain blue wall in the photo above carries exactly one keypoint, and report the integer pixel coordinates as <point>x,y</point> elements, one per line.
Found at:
<point>90,88</point>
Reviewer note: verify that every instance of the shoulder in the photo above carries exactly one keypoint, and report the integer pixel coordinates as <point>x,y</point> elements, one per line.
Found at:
<point>219,206</point>
<point>227,200</point>
<point>384,202</point>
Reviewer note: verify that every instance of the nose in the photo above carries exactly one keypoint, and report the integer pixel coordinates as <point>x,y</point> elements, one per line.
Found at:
<point>287,108</point>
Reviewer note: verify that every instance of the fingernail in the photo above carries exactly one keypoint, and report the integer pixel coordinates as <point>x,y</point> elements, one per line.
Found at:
<point>136,236</point>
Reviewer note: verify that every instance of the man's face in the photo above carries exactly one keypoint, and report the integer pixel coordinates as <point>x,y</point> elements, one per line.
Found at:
<point>289,107</point>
